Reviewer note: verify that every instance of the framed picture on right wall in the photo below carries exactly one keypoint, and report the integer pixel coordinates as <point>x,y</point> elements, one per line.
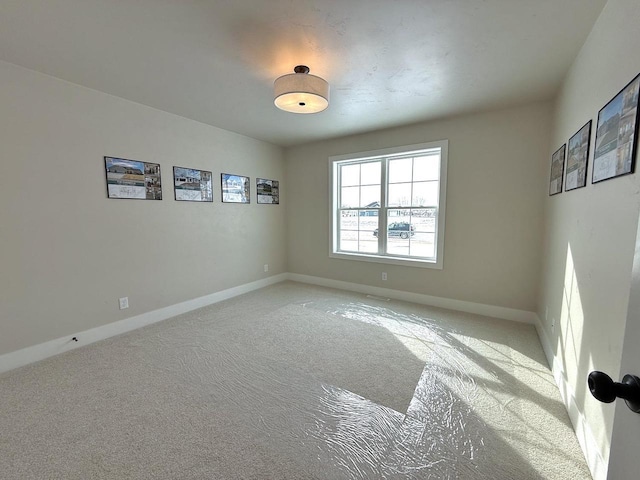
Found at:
<point>616,134</point>
<point>577,158</point>
<point>557,170</point>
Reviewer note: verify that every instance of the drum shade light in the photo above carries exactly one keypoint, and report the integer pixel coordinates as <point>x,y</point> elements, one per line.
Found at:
<point>300,92</point>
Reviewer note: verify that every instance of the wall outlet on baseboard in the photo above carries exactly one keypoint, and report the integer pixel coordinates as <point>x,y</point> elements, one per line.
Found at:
<point>124,302</point>
<point>384,276</point>
<point>266,267</point>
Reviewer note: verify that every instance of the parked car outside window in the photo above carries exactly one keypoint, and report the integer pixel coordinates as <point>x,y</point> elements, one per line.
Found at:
<point>398,229</point>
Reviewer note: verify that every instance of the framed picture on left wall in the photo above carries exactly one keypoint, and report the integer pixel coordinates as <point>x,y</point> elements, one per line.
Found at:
<point>557,170</point>
<point>133,179</point>
<point>192,185</point>
<point>235,188</point>
<point>268,191</point>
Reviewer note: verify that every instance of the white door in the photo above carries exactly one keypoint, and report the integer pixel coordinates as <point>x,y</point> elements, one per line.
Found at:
<point>625,440</point>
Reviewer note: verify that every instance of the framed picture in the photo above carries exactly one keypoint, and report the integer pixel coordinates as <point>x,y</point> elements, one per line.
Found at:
<point>577,158</point>
<point>235,188</point>
<point>557,170</point>
<point>615,151</point>
<point>268,191</point>
<point>192,185</point>
<point>132,179</point>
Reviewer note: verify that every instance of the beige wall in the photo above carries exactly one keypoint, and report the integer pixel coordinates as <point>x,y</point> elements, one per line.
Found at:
<point>68,253</point>
<point>494,212</point>
<point>590,233</point>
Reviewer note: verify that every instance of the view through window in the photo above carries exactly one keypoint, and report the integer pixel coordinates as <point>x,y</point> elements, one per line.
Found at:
<point>390,204</point>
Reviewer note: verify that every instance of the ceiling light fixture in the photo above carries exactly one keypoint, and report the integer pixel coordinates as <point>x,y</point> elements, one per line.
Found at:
<point>300,92</point>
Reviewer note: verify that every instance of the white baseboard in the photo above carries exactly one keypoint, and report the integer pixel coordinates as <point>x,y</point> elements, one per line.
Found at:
<point>546,343</point>
<point>449,303</point>
<point>35,353</point>
<point>587,440</point>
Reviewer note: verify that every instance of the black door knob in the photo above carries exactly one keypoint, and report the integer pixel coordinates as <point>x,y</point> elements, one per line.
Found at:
<point>606,390</point>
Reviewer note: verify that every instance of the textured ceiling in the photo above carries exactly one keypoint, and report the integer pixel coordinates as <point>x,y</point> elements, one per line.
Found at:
<point>388,62</point>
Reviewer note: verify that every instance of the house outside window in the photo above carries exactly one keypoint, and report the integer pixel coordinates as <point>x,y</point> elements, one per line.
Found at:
<point>388,206</point>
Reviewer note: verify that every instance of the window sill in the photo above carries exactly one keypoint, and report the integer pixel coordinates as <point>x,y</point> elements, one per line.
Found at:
<point>388,260</point>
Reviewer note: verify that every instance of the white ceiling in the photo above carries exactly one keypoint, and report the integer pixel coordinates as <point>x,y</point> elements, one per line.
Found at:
<point>389,62</point>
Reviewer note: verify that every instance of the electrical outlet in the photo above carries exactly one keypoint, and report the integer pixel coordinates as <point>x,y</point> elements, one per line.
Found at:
<point>384,276</point>
<point>266,267</point>
<point>124,303</point>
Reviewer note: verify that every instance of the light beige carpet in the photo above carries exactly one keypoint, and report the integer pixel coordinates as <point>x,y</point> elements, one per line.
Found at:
<point>294,382</point>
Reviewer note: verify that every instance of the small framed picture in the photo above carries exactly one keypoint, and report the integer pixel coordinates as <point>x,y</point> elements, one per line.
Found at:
<point>268,191</point>
<point>577,158</point>
<point>133,179</point>
<point>616,134</point>
<point>557,170</point>
<point>192,185</point>
<point>235,188</point>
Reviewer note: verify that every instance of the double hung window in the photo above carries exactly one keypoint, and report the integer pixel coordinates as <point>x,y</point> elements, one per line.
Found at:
<point>388,206</point>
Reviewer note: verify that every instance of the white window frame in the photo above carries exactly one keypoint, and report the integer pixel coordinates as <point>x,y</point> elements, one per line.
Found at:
<point>334,209</point>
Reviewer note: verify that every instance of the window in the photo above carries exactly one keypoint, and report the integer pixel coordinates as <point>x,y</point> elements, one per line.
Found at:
<point>388,206</point>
